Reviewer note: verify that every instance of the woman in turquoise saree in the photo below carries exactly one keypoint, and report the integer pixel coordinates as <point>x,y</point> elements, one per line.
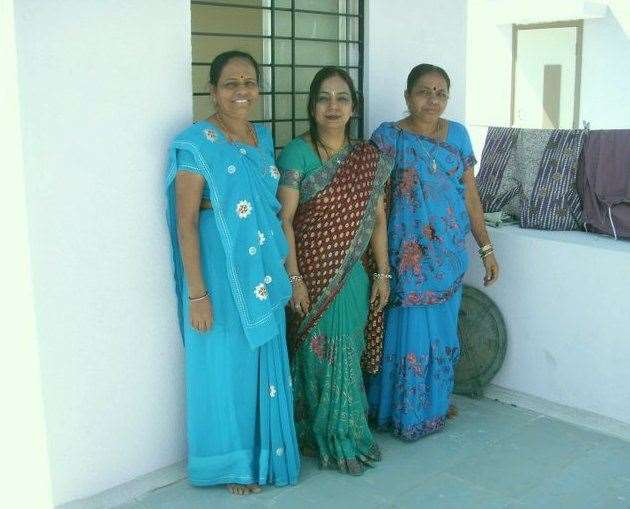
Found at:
<point>228,252</point>
<point>332,211</point>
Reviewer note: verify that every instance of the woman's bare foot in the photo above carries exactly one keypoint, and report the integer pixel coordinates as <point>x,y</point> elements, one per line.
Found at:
<point>243,489</point>
<point>453,411</point>
<point>237,489</point>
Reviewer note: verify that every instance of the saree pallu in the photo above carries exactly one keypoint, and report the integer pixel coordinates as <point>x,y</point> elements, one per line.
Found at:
<point>333,225</point>
<point>239,409</point>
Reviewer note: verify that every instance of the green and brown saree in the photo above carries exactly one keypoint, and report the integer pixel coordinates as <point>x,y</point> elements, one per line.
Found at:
<point>333,226</point>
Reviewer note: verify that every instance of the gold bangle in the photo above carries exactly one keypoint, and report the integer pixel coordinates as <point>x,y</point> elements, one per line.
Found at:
<point>487,247</point>
<point>295,278</point>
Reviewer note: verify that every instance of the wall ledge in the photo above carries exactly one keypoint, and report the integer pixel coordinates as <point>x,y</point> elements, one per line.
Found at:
<point>578,238</point>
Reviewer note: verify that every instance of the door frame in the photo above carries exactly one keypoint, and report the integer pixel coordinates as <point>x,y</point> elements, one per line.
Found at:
<point>579,25</point>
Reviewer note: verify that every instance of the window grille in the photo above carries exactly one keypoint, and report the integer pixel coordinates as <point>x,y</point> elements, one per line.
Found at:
<point>291,40</point>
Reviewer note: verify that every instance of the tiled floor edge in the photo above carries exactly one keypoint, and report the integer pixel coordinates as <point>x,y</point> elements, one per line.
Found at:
<point>576,416</point>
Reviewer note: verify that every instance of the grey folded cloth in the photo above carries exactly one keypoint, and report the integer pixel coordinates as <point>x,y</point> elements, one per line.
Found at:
<point>497,219</point>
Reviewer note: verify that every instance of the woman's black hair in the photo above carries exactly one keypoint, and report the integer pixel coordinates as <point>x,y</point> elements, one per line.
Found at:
<point>420,70</point>
<point>323,74</point>
<point>221,60</point>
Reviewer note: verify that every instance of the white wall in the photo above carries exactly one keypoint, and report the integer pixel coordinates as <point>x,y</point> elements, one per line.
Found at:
<point>605,59</point>
<point>401,34</point>
<point>563,296</point>
<point>488,67</point>
<point>606,67</point>
<point>24,459</point>
<point>104,86</point>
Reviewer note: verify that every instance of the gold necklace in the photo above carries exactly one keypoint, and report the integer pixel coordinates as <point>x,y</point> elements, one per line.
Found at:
<point>230,135</point>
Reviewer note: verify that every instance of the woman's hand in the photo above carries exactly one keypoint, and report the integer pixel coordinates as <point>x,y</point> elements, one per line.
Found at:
<point>380,293</point>
<point>201,314</point>
<point>492,269</point>
<point>300,302</point>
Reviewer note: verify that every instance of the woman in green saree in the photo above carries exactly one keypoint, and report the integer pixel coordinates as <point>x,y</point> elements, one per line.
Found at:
<point>331,191</point>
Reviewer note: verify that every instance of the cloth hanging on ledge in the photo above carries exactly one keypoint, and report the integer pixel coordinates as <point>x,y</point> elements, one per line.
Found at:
<point>604,182</point>
<point>554,203</point>
<point>530,175</point>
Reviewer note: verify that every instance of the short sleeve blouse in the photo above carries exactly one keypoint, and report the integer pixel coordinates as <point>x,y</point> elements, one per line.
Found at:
<point>296,161</point>
<point>186,161</point>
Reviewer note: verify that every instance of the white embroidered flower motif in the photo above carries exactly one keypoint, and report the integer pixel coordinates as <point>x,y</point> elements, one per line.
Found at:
<point>268,280</point>
<point>211,135</point>
<point>243,209</point>
<point>261,238</point>
<point>272,391</point>
<point>275,173</point>
<point>252,250</point>
<point>231,169</point>
<point>261,292</point>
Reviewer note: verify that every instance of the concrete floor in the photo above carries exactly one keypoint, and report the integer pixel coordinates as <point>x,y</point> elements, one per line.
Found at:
<point>492,456</point>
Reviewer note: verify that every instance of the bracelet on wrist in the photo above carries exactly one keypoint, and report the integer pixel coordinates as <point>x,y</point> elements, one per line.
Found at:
<point>295,278</point>
<point>486,248</point>
<point>486,254</point>
<point>382,275</point>
<point>201,297</point>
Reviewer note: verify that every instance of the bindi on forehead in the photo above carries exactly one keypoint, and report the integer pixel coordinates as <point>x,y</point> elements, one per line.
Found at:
<point>241,77</point>
<point>434,88</point>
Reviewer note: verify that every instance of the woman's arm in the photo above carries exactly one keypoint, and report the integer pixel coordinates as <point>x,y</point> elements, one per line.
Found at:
<point>478,226</point>
<point>378,243</point>
<point>289,199</point>
<point>188,190</point>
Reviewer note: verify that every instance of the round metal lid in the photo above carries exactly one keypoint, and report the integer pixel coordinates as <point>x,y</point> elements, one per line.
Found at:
<point>483,342</point>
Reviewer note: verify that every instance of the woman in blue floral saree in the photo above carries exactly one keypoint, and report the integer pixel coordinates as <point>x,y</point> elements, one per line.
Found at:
<point>228,251</point>
<point>434,204</point>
